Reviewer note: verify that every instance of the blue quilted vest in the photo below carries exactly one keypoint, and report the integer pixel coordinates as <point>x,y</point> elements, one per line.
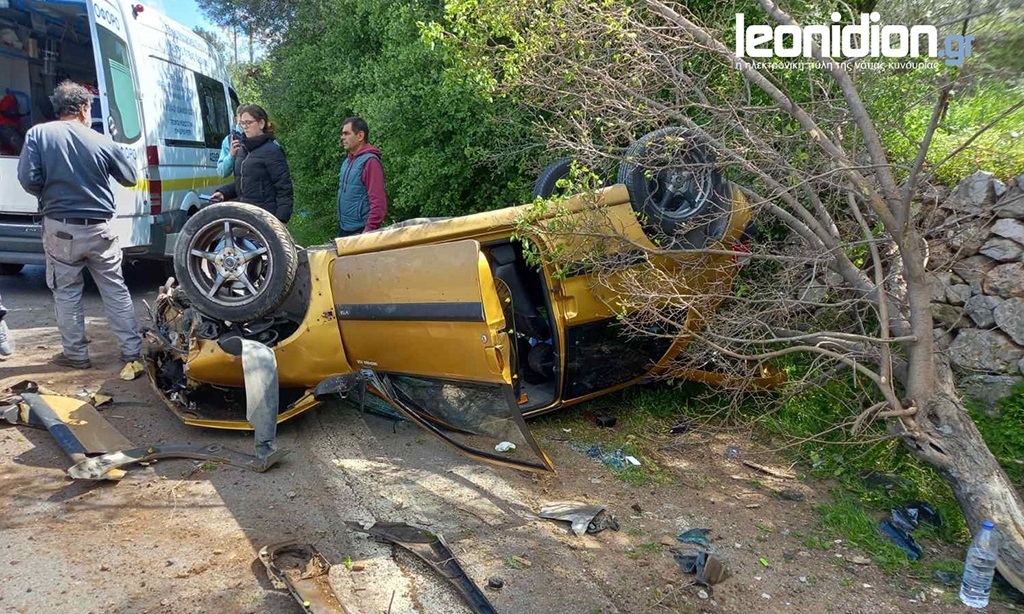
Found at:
<point>353,197</point>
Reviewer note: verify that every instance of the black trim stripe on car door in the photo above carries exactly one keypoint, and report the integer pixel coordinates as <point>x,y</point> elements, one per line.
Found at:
<point>413,312</point>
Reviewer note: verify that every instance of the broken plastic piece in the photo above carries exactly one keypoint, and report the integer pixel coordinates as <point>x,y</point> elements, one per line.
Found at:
<point>98,399</point>
<point>505,446</point>
<point>901,538</point>
<point>304,572</point>
<point>606,421</point>
<point>709,569</point>
<point>632,460</point>
<point>697,537</point>
<point>910,515</point>
<point>102,467</point>
<point>432,548</point>
<point>132,370</point>
<point>682,427</point>
<point>582,517</point>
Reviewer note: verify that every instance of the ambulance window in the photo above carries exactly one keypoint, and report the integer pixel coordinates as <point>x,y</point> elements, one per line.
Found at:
<point>213,107</point>
<point>124,123</point>
<point>234,101</point>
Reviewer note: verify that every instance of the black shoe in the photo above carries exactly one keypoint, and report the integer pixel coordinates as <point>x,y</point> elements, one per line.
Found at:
<point>63,361</point>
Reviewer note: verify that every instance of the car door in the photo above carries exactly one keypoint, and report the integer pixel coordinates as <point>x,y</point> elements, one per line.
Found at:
<point>428,325</point>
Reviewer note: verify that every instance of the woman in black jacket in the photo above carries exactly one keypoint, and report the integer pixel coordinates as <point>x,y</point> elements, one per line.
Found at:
<point>261,171</point>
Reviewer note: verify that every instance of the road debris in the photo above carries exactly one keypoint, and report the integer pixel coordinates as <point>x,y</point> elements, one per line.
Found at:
<point>683,427</point>
<point>495,582</point>
<point>708,567</point>
<point>432,548</point>
<point>302,570</point>
<point>614,460</point>
<point>521,562</point>
<point>99,400</point>
<point>902,539</point>
<point>910,515</point>
<point>106,467</point>
<point>697,537</point>
<point>606,422</point>
<point>505,446</point>
<point>583,517</point>
<point>775,473</point>
<point>132,370</point>
<point>903,520</point>
<point>76,426</point>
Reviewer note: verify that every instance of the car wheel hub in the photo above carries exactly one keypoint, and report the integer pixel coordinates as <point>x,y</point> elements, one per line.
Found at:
<point>229,262</point>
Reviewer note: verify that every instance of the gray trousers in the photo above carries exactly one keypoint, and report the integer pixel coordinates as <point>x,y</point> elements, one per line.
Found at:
<point>71,248</point>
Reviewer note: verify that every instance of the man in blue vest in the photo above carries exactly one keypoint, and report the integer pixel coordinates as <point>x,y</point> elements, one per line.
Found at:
<point>362,204</point>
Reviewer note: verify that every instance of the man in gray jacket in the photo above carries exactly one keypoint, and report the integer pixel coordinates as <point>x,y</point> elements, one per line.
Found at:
<point>68,166</point>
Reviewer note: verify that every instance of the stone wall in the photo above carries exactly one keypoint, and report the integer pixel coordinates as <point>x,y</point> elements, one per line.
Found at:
<point>976,264</point>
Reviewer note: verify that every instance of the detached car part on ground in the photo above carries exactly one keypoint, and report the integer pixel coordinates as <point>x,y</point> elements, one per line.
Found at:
<point>445,320</point>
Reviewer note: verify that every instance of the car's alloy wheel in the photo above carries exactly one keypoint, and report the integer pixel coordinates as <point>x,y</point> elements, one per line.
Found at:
<point>234,261</point>
<point>228,262</point>
<point>674,184</point>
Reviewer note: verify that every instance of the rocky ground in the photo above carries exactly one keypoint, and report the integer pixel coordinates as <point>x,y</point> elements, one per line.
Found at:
<point>182,536</point>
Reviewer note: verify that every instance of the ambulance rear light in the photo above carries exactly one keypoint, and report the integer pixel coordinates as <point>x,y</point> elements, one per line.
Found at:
<point>153,155</point>
<point>156,196</point>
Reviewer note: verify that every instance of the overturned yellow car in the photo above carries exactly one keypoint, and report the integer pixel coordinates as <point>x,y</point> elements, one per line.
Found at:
<point>444,319</point>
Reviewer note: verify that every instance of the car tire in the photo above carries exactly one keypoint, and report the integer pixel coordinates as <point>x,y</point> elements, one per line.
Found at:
<point>241,281</point>
<point>675,196</point>
<point>546,185</point>
<point>10,268</point>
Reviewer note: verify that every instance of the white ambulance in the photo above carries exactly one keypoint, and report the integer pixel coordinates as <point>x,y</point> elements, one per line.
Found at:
<point>163,95</point>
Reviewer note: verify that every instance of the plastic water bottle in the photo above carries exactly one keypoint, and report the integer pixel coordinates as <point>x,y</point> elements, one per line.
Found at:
<point>980,566</point>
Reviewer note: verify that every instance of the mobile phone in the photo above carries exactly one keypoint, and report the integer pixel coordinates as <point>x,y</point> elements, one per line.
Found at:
<point>236,135</point>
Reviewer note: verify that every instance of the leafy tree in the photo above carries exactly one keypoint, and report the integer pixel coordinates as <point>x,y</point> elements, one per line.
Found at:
<point>261,21</point>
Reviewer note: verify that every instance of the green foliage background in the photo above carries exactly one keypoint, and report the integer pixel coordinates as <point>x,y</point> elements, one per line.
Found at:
<point>446,145</point>
<point>426,75</point>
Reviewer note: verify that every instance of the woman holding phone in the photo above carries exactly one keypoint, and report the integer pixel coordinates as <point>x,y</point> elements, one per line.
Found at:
<point>261,171</point>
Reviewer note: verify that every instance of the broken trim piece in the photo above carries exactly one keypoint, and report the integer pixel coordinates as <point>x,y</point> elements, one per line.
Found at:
<point>308,582</point>
<point>99,468</point>
<point>303,404</point>
<point>77,426</point>
<point>431,548</point>
<point>583,518</point>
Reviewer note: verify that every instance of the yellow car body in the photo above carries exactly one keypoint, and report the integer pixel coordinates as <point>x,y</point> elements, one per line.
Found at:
<point>429,311</point>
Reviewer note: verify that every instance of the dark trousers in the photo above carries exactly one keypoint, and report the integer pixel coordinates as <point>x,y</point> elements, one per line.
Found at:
<point>349,233</point>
